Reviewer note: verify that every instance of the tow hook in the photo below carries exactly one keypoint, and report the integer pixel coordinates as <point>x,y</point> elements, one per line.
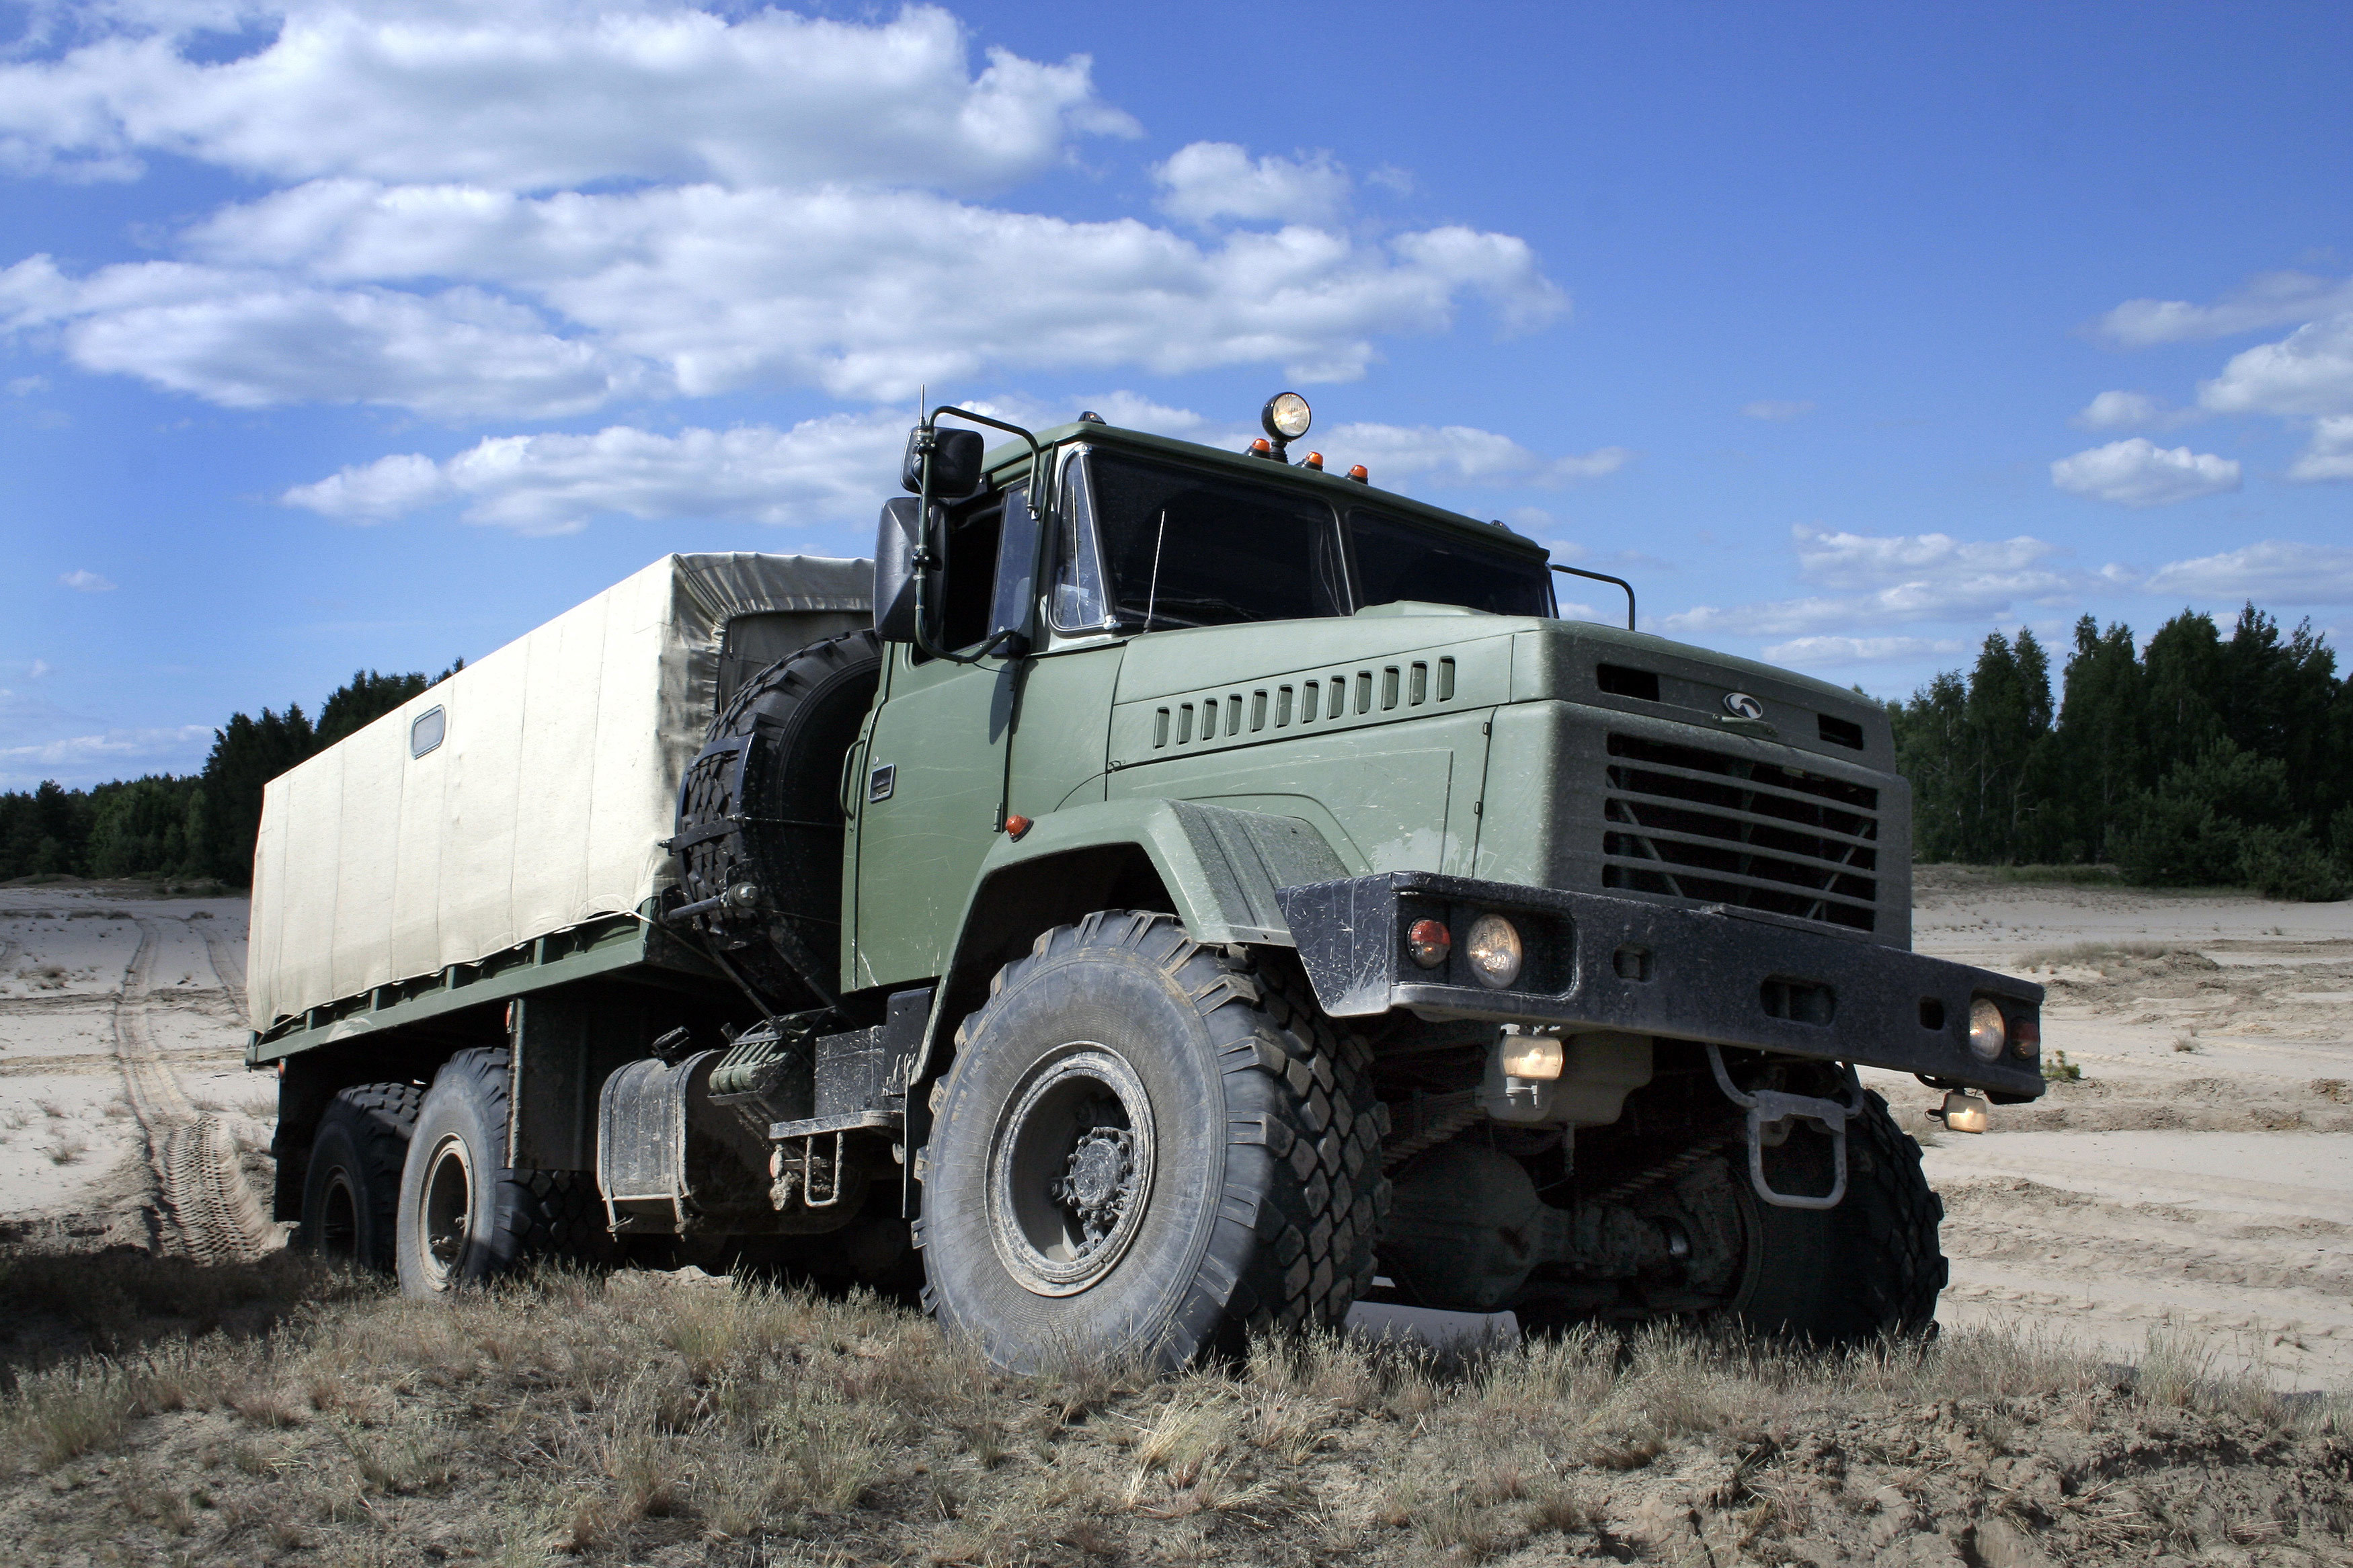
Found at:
<point>1771,1109</point>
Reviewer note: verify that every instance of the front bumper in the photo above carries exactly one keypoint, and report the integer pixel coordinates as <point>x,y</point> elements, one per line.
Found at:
<point>1718,975</point>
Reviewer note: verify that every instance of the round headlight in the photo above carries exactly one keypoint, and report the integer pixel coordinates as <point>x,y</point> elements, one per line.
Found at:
<point>1495,950</point>
<point>1987,1033</point>
<point>1287,417</point>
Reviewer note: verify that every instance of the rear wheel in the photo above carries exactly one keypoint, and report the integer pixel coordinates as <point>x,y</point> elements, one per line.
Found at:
<point>463,1215</point>
<point>1147,1144</point>
<point>352,1187</point>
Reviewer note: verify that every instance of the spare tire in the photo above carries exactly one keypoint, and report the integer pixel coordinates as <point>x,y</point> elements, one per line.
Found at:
<point>760,820</point>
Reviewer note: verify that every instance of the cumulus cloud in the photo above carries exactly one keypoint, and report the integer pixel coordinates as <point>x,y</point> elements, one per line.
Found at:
<point>534,98</point>
<point>1776,410</point>
<point>1833,652</point>
<point>2272,299</point>
<point>2131,410</point>
<point>2139,473</point>
<point>83,581</point>
<point>1893,580</point>
<point>2310,372</point>
<point>1211,180</point>
<point>2277,570</point>
<point>827,470</point>
<point>2330,455</point>
<point>554,305</point>
<point>75,760</point>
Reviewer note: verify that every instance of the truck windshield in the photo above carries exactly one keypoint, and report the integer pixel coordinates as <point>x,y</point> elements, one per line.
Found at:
<point>1191,547</point>
<point>1172,546</point>
<point>1398,560</point>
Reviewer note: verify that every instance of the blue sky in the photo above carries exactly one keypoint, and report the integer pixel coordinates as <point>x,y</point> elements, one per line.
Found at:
<point>345,336</point>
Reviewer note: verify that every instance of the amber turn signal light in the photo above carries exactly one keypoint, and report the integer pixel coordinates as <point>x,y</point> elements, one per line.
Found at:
<point>1016,826</point>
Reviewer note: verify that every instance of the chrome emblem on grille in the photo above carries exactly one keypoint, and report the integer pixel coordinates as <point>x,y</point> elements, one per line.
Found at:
<point>1740,705</point>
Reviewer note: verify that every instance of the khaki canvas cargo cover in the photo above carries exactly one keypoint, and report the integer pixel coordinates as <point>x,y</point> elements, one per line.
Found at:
<point>544,801</point>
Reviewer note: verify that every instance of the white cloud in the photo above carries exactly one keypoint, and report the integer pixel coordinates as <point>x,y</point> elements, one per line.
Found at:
<point>2278,570</point>
<point>25,385</point>
<point>1458,454</point>
<point>1892,581</point>
<point>1833,652</point>
<point>1775,409</point>
<point>2131,410</point>
<point>1210,179</point>
<point>39,668</point>
<point>75,760</point>
<point>2310,372</point>
<point>2139,473</point>
<point>702,291</point>
<point>2272,299</point>
<point>87,582</point>
<point>2330,455</point>
<point>829,469</point>
<point>534,98</point>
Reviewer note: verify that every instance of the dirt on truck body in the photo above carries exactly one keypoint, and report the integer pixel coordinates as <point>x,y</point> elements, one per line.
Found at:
<point>1168,894</point>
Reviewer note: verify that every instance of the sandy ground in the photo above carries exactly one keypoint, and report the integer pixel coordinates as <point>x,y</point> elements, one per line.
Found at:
<point>82,1137</point>
<point>2199,1173</point>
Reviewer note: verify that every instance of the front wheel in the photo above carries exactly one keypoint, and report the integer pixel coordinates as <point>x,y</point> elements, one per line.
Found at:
<point>463,1215</point>
<point>1148,1145</point>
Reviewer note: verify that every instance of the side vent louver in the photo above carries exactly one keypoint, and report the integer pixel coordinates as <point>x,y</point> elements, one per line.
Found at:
<point>1320,699</point>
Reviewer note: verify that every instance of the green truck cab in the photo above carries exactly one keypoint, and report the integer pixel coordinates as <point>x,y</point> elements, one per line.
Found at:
<point>1215,892</point>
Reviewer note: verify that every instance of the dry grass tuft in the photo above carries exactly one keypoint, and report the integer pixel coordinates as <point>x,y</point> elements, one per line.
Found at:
<point>645,1418</point>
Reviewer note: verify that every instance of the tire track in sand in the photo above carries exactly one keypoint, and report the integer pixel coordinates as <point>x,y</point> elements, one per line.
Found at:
<point>207,1210</point>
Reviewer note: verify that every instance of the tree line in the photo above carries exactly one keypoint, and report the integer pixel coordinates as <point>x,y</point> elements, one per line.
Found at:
<point>2203,759</point>
<point>197,826</point>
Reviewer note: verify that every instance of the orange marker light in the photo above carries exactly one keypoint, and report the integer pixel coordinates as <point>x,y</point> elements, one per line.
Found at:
<point>1016,826</point>
<point>1315,461</point>
<point>1358,474</point>
<point>1261,447</point>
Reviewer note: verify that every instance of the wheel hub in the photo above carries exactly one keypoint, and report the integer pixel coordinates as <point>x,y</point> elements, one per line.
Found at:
<point>1069,1171</point>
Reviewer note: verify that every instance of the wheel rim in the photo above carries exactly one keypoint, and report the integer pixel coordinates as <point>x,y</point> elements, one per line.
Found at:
<point>339,1219</point>
<point>447,1203</point>
<point>1069,1171</point>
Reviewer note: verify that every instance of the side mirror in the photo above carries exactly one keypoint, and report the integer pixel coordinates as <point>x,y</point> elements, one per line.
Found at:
<point>896,538</point>
<point>955,463</point>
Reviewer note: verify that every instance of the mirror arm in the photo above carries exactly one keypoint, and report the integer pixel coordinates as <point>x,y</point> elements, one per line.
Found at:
<point>924,559</point>
<point>1605,578</point>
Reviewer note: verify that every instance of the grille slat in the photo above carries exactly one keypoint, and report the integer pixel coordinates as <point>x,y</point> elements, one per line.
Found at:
<point>1687,823</point>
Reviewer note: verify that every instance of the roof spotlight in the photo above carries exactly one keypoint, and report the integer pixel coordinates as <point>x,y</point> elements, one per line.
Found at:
<point>1286,418</point>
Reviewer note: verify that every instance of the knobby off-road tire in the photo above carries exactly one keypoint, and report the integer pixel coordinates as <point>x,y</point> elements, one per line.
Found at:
<point>1148,1145</point>
<point>1870,1267</point>
<point>351,1190</point>
<point>802,715</point>
<point>463,1214</point>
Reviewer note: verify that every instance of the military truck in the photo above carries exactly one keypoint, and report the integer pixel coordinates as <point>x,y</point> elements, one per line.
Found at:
<point>1168,894</point>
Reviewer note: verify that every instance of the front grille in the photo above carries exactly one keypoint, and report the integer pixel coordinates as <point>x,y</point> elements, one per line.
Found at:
<point>1690,823</point>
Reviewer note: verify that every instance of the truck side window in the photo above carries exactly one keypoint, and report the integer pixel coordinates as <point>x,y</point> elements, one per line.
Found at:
<point>1080,603</point>
<point>989,567</point>
<point>1395,559</point>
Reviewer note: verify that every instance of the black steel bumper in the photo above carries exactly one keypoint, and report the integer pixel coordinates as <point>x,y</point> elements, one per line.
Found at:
<point>1723,977</point>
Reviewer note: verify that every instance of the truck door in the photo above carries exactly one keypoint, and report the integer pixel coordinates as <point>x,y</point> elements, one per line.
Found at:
<point>933,775</point>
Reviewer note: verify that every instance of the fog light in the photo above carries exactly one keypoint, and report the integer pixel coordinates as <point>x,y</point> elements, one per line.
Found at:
<point>1964,1112</point>
<point>1987,1034</point>
<point>1429,941</point>
<point>1495,952</point>
<point>1533,1055</point>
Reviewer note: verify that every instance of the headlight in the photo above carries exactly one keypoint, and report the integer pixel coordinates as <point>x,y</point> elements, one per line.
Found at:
<point>1495,952</point>
<point>1286,417</point>
<point>1429,941</point>
<point>1987,1033</point>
